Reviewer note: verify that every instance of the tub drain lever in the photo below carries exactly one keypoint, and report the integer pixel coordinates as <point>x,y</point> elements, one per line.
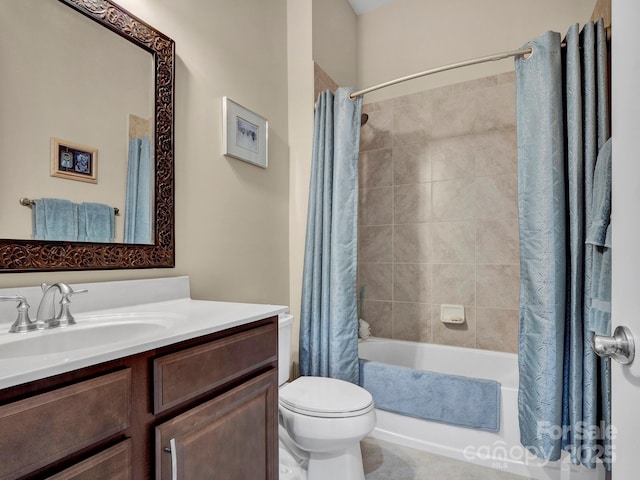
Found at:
<point>620,346</point>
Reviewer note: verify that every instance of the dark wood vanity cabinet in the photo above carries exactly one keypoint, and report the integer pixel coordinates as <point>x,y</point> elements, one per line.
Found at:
<point>206,408</point>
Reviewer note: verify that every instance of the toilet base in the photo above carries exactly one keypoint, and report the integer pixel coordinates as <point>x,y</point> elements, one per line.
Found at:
<point>290,467</point>
<point>346,465</point>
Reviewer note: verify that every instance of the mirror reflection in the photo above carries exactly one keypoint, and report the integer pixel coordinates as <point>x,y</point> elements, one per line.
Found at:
<point>76,128</point>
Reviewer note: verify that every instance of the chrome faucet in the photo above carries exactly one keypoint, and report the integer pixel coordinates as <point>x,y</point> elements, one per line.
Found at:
<point>46,316</point>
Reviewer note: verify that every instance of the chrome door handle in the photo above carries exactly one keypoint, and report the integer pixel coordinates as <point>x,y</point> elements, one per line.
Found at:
<point>620,346</point>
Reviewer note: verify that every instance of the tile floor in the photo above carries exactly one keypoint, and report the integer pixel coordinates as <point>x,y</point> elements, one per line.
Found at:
<point>388,461</point>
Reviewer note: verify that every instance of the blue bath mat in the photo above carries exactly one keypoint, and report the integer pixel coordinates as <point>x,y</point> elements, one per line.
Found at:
<point>453,399</point>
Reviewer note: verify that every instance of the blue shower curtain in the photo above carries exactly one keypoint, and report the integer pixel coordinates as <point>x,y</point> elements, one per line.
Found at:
<point>139,199</point>
<point>562,124</point>
<point>328,319</point>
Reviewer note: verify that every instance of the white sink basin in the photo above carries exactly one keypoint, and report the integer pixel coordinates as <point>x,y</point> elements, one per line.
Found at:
<point>89,332</point>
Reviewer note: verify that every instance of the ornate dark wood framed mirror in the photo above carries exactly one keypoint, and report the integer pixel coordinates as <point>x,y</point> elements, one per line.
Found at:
<point>18,255</point>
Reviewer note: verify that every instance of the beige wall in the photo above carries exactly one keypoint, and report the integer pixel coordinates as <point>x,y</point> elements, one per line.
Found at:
<point>301,83</point>
<point>231,217</point>
<point>410,36</point>
<point>334,40</point>
<point>59,80</point>
<point>438,220</point>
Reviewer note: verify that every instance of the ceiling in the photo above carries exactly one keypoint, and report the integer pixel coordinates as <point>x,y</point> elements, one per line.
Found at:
<point>363,6</point>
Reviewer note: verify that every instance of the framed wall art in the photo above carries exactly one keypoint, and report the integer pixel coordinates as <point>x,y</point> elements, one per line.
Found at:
<point>244,134</point>
<point>73,161</point>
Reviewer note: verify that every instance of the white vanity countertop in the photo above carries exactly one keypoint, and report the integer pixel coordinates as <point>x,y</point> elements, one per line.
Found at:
<point>179,319</point>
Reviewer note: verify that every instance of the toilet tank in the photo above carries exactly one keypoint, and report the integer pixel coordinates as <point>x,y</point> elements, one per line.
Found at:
<point>285,331</point>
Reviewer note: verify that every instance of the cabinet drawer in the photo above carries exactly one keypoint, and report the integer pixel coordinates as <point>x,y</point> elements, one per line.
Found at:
<point>184,375</point>
<point>234,436</point>
<point>44,428</point>
<point>111,464</point>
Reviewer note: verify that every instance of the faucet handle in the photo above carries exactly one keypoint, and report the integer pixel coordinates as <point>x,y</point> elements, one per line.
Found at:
<point>65,317</point>
<point>23,323</point>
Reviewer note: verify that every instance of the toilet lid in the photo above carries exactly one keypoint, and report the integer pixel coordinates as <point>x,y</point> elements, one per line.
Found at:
<point>325,397</point>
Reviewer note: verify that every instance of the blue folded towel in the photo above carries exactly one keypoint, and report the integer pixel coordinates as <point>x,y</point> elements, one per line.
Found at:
<point>95,222</point>
<point>452,399</point>
<point>55,219</point>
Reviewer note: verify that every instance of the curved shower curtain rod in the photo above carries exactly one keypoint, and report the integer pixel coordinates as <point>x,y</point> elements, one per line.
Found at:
<point>466,63</point>
<point>488,58</point>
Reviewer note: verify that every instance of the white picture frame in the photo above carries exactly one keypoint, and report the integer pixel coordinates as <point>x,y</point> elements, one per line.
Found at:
<point>244,134</point>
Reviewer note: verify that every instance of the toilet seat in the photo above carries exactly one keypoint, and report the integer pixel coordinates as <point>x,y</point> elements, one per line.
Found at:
<point>325,397</point>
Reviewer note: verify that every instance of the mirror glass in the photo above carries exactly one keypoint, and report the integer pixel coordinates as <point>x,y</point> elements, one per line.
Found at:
<point>68,81</point>
<point>86,130</point>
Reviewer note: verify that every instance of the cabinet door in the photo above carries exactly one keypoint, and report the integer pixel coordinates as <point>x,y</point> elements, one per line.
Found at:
<point>111,464</point>
<point>232,437</point>
<point>39,430</point>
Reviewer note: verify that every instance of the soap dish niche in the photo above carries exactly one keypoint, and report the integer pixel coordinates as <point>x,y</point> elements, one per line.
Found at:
<point>452,314</point>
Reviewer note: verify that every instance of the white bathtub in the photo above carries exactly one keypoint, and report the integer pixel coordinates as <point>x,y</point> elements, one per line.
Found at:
<point>500,450</point>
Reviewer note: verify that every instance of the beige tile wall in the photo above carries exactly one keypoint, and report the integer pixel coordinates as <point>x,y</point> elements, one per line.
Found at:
<point>438,217</point>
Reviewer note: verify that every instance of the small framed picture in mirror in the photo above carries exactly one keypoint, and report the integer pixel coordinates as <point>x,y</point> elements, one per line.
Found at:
<point>244,134</point>
<point>73,161</point>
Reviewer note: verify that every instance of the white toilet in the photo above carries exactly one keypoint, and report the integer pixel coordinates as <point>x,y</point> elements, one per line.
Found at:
<point>322,421</point>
